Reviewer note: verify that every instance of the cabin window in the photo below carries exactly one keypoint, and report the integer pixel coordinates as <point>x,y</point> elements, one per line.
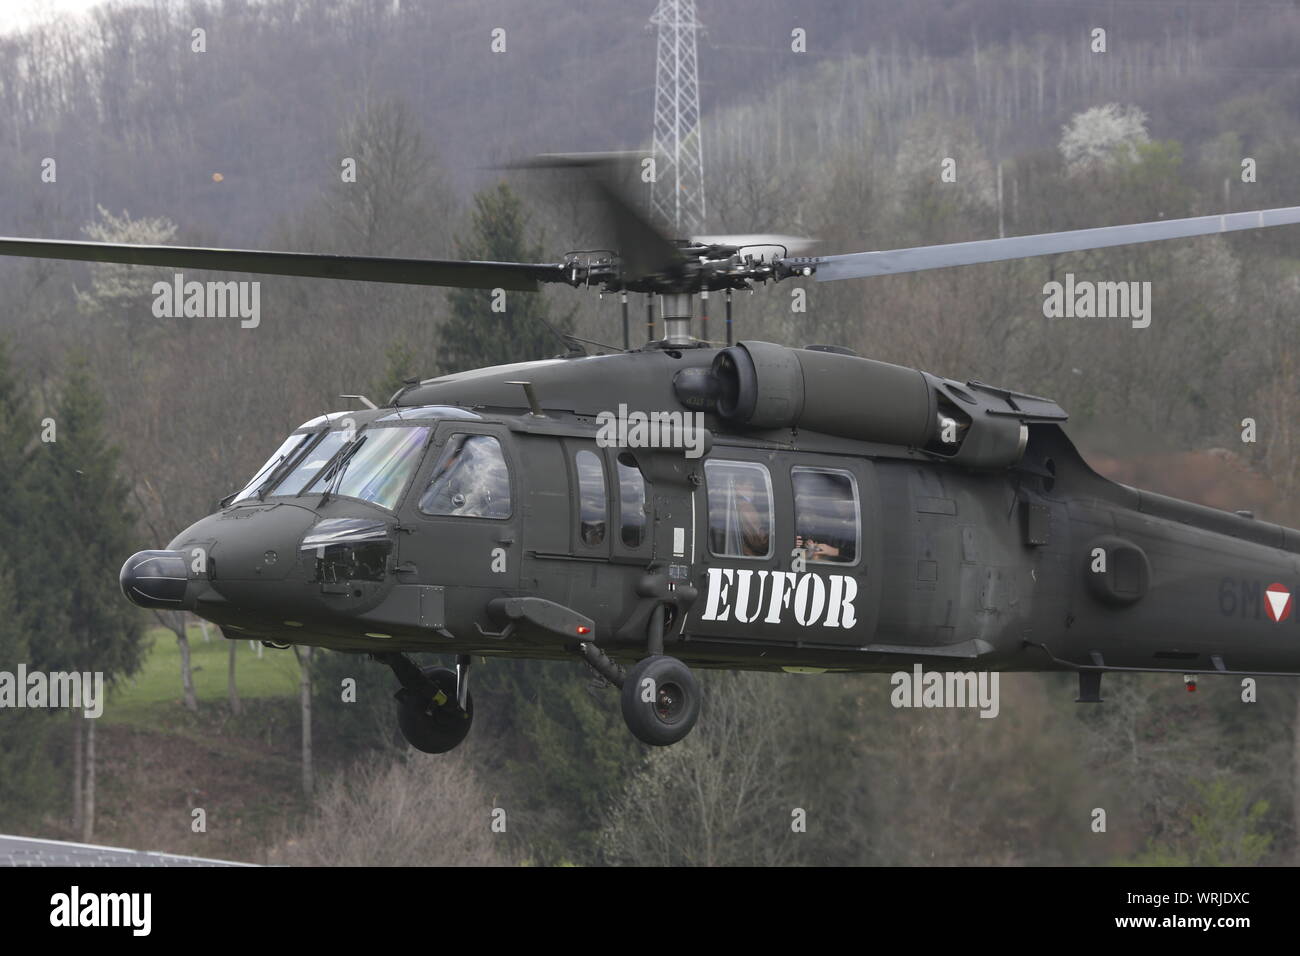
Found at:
<point>631,505</point>
<point>827,522</point>
<point>591,498</point>
<point>740,509</point>
<point>470,480</point>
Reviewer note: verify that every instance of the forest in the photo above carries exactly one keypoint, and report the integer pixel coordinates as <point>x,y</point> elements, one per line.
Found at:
<point>1192,109</point>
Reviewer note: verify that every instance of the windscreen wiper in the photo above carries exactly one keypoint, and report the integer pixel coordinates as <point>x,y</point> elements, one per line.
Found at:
<point>345,459</point>
<point>272,478</point>
<point>288,461</point>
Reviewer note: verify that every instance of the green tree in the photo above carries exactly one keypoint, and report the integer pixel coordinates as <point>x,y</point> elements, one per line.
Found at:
<point>25,779</point>
<point>81,502</point>
<point>17,432</point>
<point>1220,827</point>
<point>79,620</point>
<point>474,334</point>
<point>560,746</point>
<point>356,717</point>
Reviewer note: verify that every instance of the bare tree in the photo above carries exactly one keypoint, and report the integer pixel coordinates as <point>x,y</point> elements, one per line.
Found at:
<point>232,689</point>
<point>416,810</point>
<point>723,796</point>
<point>304,654</point>
<point>78,768</point>
<point>88,810</point>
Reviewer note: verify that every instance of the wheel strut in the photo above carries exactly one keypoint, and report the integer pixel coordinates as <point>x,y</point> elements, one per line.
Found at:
<point>434,705</point>
<point>462,679</point>
<point>413,679</point>
<point>655,632</point>
<point>601,663</point>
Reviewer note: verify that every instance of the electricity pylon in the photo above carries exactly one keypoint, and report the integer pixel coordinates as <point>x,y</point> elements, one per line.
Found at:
<point>677,193</point>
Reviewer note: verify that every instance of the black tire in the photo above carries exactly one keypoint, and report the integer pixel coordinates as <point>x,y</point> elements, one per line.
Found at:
<point>675,704</point>
<point>434,730</point>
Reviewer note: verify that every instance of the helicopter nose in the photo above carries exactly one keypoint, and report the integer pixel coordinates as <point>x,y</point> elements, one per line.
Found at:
<point>155,579</point>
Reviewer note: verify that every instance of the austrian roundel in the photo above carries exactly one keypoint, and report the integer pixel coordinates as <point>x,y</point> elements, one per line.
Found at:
<point>1278,603</point>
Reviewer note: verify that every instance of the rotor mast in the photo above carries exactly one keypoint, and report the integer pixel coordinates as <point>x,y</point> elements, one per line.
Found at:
<point>676,309</point>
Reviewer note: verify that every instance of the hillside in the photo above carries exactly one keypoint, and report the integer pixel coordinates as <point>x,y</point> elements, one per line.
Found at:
<point>242,144</point>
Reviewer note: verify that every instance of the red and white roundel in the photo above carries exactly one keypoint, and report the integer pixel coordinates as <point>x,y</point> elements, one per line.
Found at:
<point>1277,600</point>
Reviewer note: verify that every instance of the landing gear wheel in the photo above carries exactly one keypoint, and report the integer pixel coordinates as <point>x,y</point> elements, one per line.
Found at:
<point>661,700</point>
<point>428,726</point>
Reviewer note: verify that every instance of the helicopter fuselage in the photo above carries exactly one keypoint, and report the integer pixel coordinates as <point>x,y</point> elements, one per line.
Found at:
<point>779,548</point>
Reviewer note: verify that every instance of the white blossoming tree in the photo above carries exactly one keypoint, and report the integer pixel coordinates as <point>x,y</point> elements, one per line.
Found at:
<point>1103,136</point>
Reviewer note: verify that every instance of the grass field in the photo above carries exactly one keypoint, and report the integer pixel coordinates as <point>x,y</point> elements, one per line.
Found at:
<point>156,760</point>
<point>136,700</point>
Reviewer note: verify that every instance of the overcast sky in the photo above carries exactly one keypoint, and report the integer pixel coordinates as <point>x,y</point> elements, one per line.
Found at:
<point>16,14</point>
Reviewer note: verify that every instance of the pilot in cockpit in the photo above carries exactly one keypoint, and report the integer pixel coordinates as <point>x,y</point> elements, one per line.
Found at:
<point>471,480</point>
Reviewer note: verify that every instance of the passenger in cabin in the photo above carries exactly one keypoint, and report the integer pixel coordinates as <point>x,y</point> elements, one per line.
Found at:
<point>753,522</point>
<point>816,550</point>
<point>825,515</point>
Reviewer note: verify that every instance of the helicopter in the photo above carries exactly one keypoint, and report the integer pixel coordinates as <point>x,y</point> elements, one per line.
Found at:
<point>688,504</point>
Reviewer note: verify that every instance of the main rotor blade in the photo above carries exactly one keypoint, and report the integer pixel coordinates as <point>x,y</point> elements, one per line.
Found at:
<point>642,248</point>
<point>860,264</point>
<point>516,276</point>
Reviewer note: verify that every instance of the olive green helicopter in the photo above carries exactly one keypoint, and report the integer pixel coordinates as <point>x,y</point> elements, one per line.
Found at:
<point>683,504</point>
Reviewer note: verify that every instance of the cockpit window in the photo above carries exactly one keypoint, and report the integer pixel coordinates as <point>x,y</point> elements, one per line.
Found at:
<point>317,457</point>
<point>469,480</point>
<point>282,454</point>
<point>376,467</point>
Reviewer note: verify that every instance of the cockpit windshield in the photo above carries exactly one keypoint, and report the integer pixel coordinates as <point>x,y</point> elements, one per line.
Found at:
<point>317,457</point>
<point>287,450</point>
<point>372,465</point>
<point>376,467</point>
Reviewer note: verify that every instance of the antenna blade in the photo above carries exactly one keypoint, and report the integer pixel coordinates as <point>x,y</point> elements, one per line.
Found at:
<point>792,245</point>
<point>862,264</point>
<point>515,276</point>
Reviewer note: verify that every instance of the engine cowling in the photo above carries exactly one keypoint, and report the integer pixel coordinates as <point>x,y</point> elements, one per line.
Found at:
<point>760,385</point>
